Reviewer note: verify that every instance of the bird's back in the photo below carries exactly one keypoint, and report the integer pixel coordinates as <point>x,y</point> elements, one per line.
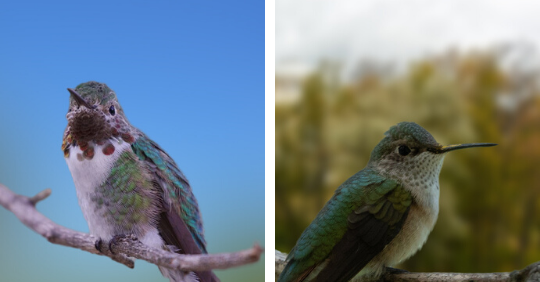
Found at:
<point>310,255</point>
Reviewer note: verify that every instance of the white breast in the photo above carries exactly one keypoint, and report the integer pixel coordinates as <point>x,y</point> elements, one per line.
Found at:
<point>423,183</point>
<point>89,174</point>
<point>422,180</point>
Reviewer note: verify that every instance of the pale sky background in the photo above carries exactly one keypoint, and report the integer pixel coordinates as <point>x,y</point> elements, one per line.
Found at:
<point>396,31</point>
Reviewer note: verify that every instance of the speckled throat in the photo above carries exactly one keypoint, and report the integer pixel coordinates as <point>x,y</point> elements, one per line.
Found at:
<point>95,123</point>
<point>89,125</point>
<point>419,175</point>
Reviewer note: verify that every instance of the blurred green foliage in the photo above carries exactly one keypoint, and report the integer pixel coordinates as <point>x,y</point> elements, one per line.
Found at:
<point>488,219</point>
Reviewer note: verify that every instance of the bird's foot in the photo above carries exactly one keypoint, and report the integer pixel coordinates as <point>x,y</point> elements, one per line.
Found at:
<point>391,270</point>
<point>99,245</point>
<point>115,239</point>
<point>104,248</point>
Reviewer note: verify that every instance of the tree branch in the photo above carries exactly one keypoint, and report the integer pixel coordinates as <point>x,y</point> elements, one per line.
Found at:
<point>528,274</point>
<point>24,208</point>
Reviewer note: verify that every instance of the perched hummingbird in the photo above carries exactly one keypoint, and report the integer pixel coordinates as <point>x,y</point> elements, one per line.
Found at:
<point>127,184</point>
<point>380,216</point>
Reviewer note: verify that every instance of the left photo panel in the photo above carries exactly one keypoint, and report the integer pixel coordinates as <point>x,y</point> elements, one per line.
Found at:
<point>132,133</point>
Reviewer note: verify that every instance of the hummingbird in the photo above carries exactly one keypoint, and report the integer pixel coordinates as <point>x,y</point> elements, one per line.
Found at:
<point>126,183</point>
<point>380,216</point>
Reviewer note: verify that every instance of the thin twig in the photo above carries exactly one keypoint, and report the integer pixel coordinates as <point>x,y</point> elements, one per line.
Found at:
<point>528,274</point>
<point>41,196</point>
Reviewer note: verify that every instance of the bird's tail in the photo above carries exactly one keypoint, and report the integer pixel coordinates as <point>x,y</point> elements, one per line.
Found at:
<point>181,276</point>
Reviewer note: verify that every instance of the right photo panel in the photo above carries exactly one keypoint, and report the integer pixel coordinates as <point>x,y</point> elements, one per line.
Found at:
<point>407,140</point>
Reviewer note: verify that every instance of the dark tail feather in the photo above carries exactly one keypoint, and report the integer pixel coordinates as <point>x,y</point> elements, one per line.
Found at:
<point>289,273</point>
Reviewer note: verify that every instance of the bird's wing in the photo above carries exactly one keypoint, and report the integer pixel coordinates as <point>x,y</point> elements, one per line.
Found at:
<point>180,223</point>
<point>179,203</point>
<point>363,216</point>
<point>369,229</point>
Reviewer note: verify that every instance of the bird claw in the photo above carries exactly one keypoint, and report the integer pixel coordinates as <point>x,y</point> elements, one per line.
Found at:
<point>115,240</point>
<point>391,270</point>
<point>99,244</point>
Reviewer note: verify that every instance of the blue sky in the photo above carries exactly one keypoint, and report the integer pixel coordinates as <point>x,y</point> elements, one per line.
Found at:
<point>190,74</point>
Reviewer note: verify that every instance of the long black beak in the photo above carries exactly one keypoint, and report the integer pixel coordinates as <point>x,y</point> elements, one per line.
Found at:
<point>445,149</point>
<point>80,100</point>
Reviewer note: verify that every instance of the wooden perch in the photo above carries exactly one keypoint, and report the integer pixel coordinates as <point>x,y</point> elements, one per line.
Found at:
<point>24,208</point>
<point>528,274</point>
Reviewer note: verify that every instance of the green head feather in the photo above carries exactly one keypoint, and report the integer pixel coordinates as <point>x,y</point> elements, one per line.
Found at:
<point>408,133</point>
<point>95,92</point>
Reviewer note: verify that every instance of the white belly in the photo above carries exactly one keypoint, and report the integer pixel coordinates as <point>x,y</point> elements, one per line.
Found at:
<point>88,175</point>
<point>413,235</point>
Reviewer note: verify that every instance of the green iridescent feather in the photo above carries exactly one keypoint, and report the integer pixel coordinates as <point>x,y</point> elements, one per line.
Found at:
<point>405,131</point>
<point>364,189</point>
<point>175,184</point>
<point>93,91</point>
<point>126,195</point>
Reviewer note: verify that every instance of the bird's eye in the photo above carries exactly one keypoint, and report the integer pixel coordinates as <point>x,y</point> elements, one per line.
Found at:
<point>404,150</point>
<point>112,111</point>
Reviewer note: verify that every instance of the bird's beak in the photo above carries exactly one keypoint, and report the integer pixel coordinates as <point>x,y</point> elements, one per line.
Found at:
<point>445,149</point>
<point>80,100</point>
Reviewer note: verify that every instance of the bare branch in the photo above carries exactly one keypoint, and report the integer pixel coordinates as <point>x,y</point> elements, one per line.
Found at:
<point>280,262</point>
<point>130,246</point>
<point>24,208</point>
<point>528,274</point>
